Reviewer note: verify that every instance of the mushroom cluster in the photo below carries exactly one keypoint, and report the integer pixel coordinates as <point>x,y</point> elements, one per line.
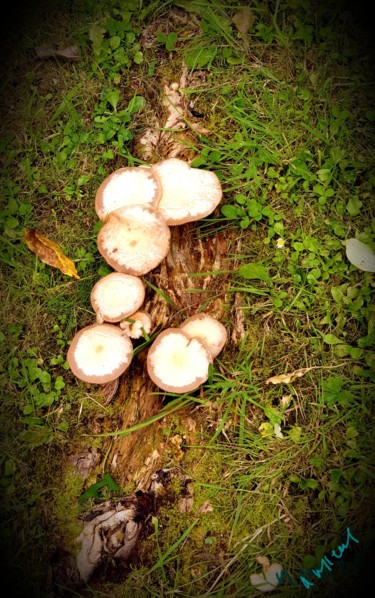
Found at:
<point>137,206</point>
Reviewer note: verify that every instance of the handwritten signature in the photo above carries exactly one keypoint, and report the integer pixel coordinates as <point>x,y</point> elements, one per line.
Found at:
<point>325,564</point>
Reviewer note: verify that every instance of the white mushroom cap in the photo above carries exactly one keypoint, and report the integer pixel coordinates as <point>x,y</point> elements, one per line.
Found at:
<point>134,240</point>
<point>125,187</point>
<point>208,329</point>
<point>117,296</point>
<point>100,353</point>
<point>187,194</point>
<point>178,363</point>
<point>141,323</point>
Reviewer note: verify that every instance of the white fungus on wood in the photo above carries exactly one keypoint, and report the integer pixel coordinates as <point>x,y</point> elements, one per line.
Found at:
<point>178,363</point>
<point>100,353</point>
<point>207,328</point>
<point>187,194</point>
<point>117,296</point>
<point>134,239</point>
<point>127,186</point>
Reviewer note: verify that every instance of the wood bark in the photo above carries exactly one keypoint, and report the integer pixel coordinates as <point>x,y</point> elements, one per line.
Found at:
<point>135,457</point>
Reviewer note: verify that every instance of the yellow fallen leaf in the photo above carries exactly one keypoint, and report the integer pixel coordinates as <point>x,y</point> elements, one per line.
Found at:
<point>49,252</point>
<point>287,378</point>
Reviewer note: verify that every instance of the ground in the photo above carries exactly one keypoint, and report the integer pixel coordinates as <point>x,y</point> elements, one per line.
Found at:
<point>271,458</point>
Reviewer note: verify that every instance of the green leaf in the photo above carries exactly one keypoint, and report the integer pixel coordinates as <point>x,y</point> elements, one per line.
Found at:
<point>255,271</point>
<point>295,434</point>
<point>96,34</point>
<point>331,339</point>
<point>354,206</point>
<point>230,212</point>
<point>59,383</point>
<point>273,415</point>
<point>170,41</point>
<point>93,490</point>
<point>113,98</point>
<point>114,42</point>
<point>138,57</point>
<point>136,104</point>
<point>200,57</point>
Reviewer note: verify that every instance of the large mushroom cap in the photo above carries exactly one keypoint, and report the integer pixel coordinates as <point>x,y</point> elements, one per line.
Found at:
<point>208,329</point>
<point>117,296</point>
<point>178,363</point>
<point>187,194</point>
<point>127,186</point>
<point>100,353</point>
<point>134,240</point>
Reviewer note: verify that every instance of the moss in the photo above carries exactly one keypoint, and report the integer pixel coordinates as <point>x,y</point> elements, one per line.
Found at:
<point>66,509</point>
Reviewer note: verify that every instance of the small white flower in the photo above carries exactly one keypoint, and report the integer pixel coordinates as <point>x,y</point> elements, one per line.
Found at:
<point>280,243</point>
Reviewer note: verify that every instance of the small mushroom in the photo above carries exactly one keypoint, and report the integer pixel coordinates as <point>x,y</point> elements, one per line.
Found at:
<point>134,239</point>
<point>137,325</point>
<point>100,353</point>
<point>117,296</point>
<point>208,329</point>
<point>178,363</point>
<point>125,187</point>
<point>187,194</point>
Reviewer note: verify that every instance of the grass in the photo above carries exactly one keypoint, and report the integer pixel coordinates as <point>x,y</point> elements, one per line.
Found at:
<point>285,468</point>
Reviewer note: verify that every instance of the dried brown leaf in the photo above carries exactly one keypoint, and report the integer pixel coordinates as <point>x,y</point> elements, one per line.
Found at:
<point>70,53</point>
<point>243,20</point>
<point>287,378</point>
<point>205,508</point>
<point>49,252</point>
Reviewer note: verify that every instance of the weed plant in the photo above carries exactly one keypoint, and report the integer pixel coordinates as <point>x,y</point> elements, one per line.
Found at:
<point>285,469</point>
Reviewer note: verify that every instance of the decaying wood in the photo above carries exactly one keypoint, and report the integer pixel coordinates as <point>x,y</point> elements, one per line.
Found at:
<point>135,457</point>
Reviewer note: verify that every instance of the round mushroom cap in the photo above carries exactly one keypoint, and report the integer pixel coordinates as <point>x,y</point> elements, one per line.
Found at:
<point>117,296</point>
<point>134,239</point>
<point>140,324</point>
<point>127,186</point>
<point>187,194</point>
<point>208,329</point>
<point>100,353</point>
<point>178,363</point>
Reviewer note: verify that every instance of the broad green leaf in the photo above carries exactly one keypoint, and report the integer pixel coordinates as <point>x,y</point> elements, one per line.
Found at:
<point>255,271</point>
<point>114,42</point>
<point>354,206</point>
<point>93,490</point>
<point>136,104</point>
<point>273,415</point>
<point>230,212</point>
<point>96,34</point>
<point>113,98</point>
<point>295,434</point>
<point>138,57</point>
<point>331,339</point>
<point>199,57</point>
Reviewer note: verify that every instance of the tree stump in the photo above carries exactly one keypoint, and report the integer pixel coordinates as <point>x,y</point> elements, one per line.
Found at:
<point>135,457</point>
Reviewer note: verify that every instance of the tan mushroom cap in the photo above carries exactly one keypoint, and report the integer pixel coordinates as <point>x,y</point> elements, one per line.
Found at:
<point>187,193</point>
<point>141,323</point>
<point>177,363</point>
<point>117,296</point>
<point>207,328</point>
<point>134,239</point>
<point>127,186</point>
<point>100,353</point>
